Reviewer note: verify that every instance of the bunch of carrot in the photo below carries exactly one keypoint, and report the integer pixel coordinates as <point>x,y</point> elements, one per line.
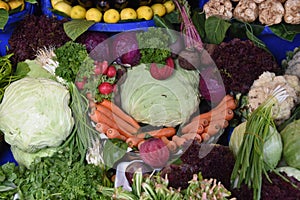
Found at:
<point>206,125</point>
<point>115,123</point>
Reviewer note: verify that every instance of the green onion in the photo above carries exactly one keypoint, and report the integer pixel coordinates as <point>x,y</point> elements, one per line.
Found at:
<point>250,166</point>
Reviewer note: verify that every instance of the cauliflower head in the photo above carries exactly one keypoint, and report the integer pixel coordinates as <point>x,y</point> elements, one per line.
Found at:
<point>264,86</point>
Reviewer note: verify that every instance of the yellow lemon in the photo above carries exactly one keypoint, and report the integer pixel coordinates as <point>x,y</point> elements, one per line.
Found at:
<point>159,9</point>
<point>63,7</point>
<point>128,13</point>
<point>78,12</point>
<point>53,2</point>
<point>93,14</point>
<point>4,5</point>
<point>144,12</point>
<point>170,6</point>
<point>111,16</point>
<point>14,4</point>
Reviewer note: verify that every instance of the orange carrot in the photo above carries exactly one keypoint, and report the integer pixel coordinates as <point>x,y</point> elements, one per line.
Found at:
<point>101,127</point>
<point>121,125</point>
<point>167,132</point>
<point>212,129</point>
<point>133,141</point>
<point>224,102</point>
<point>200,129</point>
<point>98,117</point>
<point>194,125</point>
<point>170,144</point>
<point>205,137</point>
<point>119,112</point>
<point>114,134</point>
<point>178,140</point>
<point>192,136</point>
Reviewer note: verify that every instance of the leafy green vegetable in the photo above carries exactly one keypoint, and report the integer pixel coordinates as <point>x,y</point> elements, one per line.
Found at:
<point>7,74</point>
<point>169,102</point>
<point>216,29</point>
<point>53,178</point>
<point>71,57</point>
<point>3,18</point>
<point>74,28</point>
<point>114,150</point>
<point>35,114</point>
<point>154,46</point>
<point>198,19</point>
<point>285,31</point>
<point>290,171</point>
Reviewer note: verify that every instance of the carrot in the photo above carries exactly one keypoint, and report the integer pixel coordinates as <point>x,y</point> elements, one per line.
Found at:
<point>212,129</point>
<point>120,124</point>
<point>101,127</point>
<point>114,134</point>
<point>192,136</point>
<point>98,117</point>
<point>194,125</point>
<point>119,112</point>
<point>167,132</point>
<point>200,129</point>
<point>133,141</point>
<point>224,102</point>
<point>178,140</point>
<point>205,137</point>
<point>171,145</point>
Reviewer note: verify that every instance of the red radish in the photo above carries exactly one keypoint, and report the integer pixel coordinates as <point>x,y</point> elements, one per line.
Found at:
<point>162,72</point>
<point>101,68</point>
<point>154,152</point>
<point>97,70</point>
<point>105,88</point>
<point>80,84</point>
<point>111,71</point>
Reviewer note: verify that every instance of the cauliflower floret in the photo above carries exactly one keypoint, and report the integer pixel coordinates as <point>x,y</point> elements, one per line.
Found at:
<point>265,85</point>
<point>270,12</point>
<point>221,8</point>
<point>246,11</point>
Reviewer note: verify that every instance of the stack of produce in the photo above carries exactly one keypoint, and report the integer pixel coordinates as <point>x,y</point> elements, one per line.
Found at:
<point>136,116</point>
<point>112,11</point>
<point>267,12</point>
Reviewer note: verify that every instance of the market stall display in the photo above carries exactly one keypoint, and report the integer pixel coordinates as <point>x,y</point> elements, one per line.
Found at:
<point>136,114</point>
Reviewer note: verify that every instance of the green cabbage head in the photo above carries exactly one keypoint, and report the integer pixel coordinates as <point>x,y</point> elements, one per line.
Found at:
<point>160,102</point>
<point>272,147</point>
<point>35,114</point>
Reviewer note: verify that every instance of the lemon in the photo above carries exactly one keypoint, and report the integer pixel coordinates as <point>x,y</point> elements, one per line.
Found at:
<point>159,9</point>
<point>63,7</point>
<point>78,12</point>
<point>170,6</point>
<point>53,2</point>
<point>4,5</point>
<point>93,14</point>
<point>111,16</point>
<point>128,13</point>
<point>144,12</point>
<point>14,4</point>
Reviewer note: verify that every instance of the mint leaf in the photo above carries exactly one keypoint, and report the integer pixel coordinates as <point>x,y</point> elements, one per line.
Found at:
<point>216,29</point>
<point>76,27</point>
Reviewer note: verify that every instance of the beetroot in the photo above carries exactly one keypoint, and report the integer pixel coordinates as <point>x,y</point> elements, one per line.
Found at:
<point>154,152</point>
<point>162,72</point>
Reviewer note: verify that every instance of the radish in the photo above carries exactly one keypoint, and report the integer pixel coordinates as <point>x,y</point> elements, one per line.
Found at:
<point>111,71</point>
<point>105,88</point>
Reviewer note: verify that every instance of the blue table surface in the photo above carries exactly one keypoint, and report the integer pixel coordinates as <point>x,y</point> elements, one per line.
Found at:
<point>5,154</point>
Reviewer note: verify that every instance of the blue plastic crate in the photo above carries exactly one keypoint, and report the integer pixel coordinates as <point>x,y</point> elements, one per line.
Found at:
<point>46,8</point>
<point>11,24</point>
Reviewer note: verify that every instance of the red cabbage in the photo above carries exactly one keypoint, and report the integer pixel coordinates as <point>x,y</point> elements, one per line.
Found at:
<point>211,85</point>
<point>97,45</point>
<point>125,48</point>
